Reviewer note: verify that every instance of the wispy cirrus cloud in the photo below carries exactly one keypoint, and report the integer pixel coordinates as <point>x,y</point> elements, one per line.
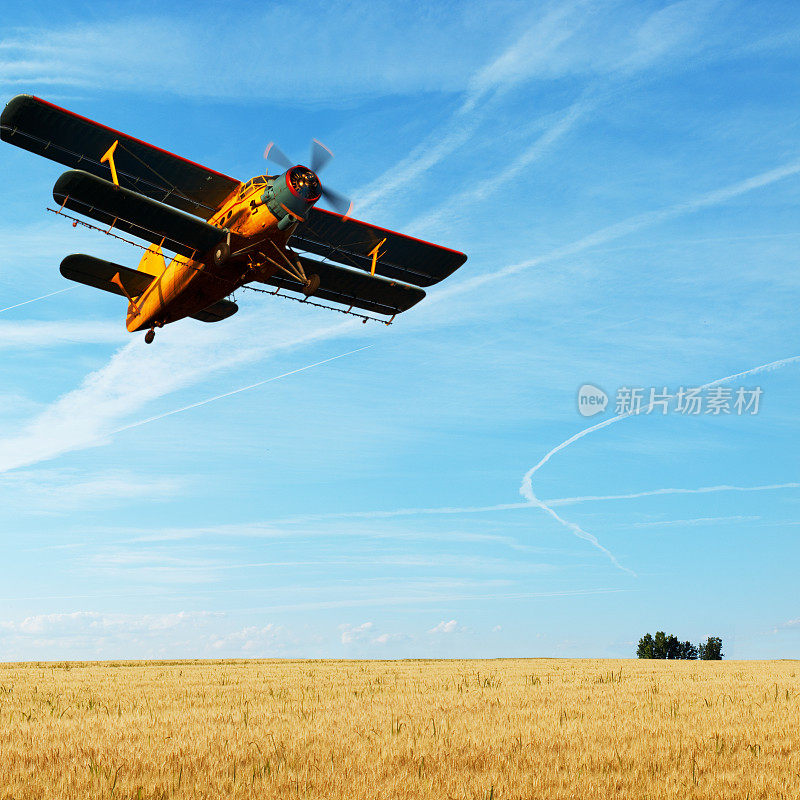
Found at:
<point>589,40</point>
<point>630,225</point>
<point>251,57</point>
<point>100,634</point>
<point>43,491</point>
<point>481,191</point>
<point>107,397</point>
<point>36,334</point>
<point>575,40</point>
<point>560,40</point>
<point>445,627</point>
<point>353,633</point>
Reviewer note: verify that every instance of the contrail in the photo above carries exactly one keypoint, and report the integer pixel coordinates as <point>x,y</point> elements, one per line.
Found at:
<point>556,501</point>
<point>631,225</point>
<point>526,489</point>
<point>43,297</point>
<point>236,391</point>
<point>566,501</point>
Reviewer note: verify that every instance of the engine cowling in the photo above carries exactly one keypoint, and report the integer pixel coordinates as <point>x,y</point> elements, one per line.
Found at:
<point>290,196</point>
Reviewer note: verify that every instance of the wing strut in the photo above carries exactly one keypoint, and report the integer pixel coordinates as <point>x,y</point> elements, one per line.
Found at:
<point>118,281</point>
<point>109,156</point>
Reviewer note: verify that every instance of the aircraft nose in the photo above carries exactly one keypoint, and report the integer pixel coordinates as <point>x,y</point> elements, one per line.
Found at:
<point>304,183</point>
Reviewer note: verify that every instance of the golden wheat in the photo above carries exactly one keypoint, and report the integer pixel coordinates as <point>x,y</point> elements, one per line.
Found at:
<point>400,729</point>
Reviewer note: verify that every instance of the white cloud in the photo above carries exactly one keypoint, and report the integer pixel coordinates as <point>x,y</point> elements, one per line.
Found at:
<point>86,416</point>
<point>530,54</point>
<point>402,48</point>
<point>345,53</point>
<point>445,627</point>
<point>80,634</point>
<point>354,633</point>
<point>252,640</point>
<point>75,622</point>
<point>31,334</point>
<point>479,191</point>
<point>45,491</point>
<point>595,40</point>
<point>626,227</point>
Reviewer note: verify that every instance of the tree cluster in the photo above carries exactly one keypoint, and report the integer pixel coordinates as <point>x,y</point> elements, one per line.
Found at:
<point>667,646</point>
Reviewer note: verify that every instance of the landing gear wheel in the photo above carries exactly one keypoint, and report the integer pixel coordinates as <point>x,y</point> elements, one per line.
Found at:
<point>222,252</point>
<point>311,285</point>
<point>149,336</point>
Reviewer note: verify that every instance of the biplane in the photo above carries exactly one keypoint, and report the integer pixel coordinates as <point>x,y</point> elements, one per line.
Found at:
<point>224,233</point>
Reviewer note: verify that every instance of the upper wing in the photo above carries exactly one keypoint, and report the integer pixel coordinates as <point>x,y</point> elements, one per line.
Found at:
<point>76,141</point>
<point>349,241</point>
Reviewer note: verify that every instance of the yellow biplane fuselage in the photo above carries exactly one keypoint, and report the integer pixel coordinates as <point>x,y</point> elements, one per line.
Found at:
<point>185,285</point>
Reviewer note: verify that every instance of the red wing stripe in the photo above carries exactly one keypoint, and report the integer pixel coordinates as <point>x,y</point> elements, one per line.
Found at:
<point>387,230</point>
<point>134,139</point>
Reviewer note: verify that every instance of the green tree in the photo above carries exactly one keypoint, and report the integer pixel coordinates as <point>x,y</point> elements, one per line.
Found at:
<point>645,648</point>
<point>665,646</point>
<point>673,647</point>
<point>660,645</point>
<point>711,650</point>
<point>686,651</point>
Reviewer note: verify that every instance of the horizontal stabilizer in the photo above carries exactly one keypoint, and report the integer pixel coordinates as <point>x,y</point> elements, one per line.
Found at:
<point>95,272</point>
<point>354,288</point>
<point>220,310</point>
<point>351,242</point>
<point>135,214</point>
<point>61,135</point>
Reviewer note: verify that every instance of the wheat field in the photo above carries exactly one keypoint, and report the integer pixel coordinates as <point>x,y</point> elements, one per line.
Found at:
<point>490,730</point>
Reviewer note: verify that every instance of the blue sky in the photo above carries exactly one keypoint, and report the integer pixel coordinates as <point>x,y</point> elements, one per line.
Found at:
<point>625,178</point>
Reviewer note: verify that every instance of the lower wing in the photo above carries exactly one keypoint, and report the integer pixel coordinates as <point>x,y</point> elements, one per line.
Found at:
<point>352,288</point>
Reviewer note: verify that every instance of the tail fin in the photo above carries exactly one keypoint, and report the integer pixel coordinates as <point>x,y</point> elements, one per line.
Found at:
<point>153,261</point>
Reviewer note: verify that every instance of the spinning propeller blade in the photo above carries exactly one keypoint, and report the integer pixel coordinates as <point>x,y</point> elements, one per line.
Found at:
<point>337,201</point>
<point>320,156</point>
<point>275,154</point>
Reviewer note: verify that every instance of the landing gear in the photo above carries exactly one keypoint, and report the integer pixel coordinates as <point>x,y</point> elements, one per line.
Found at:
<point>149,336</point>
<point>312,284</point>
<point>222,252</point>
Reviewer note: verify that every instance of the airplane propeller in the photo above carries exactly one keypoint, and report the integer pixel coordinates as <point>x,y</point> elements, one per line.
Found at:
<point>320,157</point>
<point>277,156</point>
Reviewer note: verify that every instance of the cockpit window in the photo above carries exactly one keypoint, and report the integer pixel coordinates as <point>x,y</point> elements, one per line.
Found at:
<point>260,180</point>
